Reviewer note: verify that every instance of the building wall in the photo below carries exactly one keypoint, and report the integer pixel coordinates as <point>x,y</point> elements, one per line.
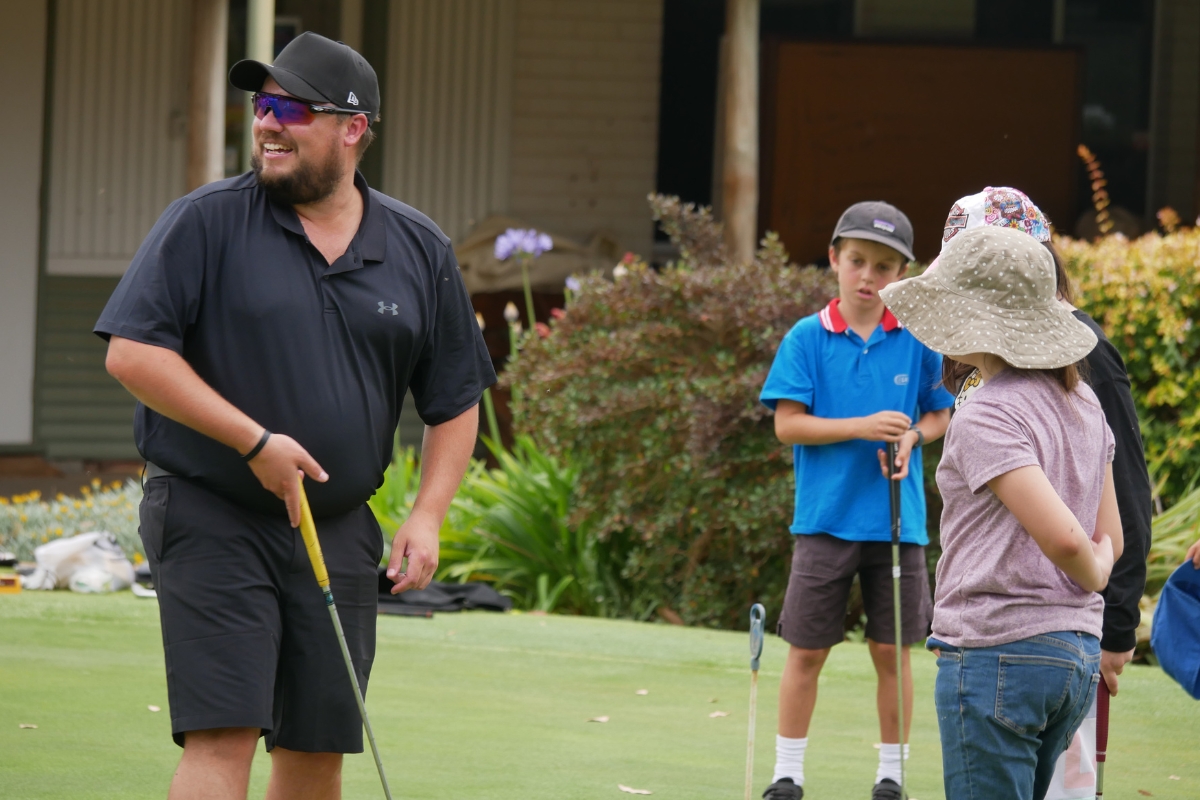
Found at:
<point>446,114</point>
<point>951,19</point>
<point>22,67</point>
<point>119,129</point>
<point>585,116</point>
<point>1174,109</point>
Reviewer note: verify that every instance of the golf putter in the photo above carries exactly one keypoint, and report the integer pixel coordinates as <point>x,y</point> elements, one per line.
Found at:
<point>1102,696</point>
<point>308,530</point>
<point>894,495</point>
<point>757,617</point>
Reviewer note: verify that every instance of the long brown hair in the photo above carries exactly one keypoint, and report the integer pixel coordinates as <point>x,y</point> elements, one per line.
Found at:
<point>955,372</point>
<point>1061,278</point>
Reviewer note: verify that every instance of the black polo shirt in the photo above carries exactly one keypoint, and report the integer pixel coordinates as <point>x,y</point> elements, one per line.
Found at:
<point>321,352</point>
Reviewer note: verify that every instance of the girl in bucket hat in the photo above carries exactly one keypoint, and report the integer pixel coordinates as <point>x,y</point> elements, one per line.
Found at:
<point>1030,526</point>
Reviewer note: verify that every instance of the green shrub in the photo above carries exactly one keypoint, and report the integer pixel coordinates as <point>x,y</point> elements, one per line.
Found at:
<point>649,383</point>
<point>1145,293</point>
<point>509,527</point>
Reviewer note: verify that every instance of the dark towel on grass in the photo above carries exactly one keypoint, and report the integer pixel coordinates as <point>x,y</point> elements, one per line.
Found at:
<point>439,597</point>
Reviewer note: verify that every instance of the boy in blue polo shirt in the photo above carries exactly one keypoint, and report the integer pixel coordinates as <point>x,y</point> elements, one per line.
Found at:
<point>845,380</point>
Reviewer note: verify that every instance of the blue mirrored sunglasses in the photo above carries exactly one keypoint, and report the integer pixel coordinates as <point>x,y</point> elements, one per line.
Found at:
<point>292,110</point>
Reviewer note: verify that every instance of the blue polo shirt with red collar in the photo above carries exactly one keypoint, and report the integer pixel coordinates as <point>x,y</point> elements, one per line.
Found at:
<point>825,365</point>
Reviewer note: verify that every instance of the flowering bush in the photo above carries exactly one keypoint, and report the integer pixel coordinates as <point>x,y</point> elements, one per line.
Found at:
<point>27,521</point>
<point>650,384</point>
<point>1144,293</point>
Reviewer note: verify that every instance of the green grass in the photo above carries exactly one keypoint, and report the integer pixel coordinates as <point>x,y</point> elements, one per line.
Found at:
<point>491,706</point>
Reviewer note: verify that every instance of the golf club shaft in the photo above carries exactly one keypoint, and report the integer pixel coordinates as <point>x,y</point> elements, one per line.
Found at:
<point>308,530</point>
<point>750,739</point>
<point>1102,697</point>
<point>894,497</point>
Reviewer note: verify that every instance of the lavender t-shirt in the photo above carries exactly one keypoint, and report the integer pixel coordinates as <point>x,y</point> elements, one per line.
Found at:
<point>994,585</point>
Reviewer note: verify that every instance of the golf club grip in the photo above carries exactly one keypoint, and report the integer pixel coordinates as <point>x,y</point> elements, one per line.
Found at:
<point>893,492</point>
<point>308,530</point>
<point>1102,698</point>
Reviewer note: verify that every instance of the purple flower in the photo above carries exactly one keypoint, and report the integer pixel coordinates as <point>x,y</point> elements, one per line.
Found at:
<point>573,284</point>
<point>516,242</point>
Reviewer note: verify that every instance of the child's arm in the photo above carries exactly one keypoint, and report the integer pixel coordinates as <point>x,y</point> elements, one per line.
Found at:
<point>1028,494</point>
<point>794,425</point>
<point>933,426</point>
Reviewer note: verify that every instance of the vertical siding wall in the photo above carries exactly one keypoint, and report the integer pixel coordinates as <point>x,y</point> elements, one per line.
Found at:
<point>118,156</point>
<point>1174,106</point>
<point>585,116</point>
<point>446,117</point>
<point>119,132</point>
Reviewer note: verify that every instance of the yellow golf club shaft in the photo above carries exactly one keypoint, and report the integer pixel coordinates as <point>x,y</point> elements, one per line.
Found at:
<point>308,530</point>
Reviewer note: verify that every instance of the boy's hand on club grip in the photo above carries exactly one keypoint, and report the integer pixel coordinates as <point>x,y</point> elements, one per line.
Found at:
<point>884,426</point>
<point>903,456</point>
<point>276,466</point>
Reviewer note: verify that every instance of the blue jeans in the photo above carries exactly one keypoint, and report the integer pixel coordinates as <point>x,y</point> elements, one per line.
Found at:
<point>1007,712</point>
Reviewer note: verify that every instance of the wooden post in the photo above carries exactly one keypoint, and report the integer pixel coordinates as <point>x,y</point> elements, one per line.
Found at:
<point>206,93</point>
<point>739,198</point>
<point>260,46</point>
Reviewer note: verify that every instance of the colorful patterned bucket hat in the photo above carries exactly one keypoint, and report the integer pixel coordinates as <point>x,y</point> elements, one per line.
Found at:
<point>999,206</point>
<point>993,292</point>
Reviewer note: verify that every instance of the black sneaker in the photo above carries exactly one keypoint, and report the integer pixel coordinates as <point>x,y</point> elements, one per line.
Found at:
<point>784,789</point>
<point>886,789</point>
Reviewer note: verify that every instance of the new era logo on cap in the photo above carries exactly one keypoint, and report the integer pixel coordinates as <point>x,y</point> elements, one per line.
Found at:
<point>352,100</point>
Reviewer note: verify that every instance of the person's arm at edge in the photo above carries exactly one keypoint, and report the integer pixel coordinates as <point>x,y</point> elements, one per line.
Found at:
<point>163,381</point>
<point>445,455</point>
<point>794,425</point>
<point>1127,582</point>
<point>1087,560</point>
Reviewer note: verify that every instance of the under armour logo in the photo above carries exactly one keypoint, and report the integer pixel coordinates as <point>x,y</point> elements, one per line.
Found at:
<point>392,308</point>
<point>352,100</point>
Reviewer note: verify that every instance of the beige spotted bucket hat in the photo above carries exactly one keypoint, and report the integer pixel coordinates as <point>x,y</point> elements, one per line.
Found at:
<point>993,292</point>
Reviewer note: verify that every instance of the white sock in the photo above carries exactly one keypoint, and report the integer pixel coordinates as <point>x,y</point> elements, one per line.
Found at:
<point>789,759</point>
<point>889,762</point>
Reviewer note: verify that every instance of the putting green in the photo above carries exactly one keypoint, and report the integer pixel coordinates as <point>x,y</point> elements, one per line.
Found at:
<point>495,706</point>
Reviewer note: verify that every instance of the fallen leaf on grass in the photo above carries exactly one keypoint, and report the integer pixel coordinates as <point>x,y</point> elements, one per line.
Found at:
<point>716,714</point>
<point>1174,778</point>
<point>154,708</point>
<point>598,719</point>
<point>627,790</point>
<point>27,725</point>
<point>1145,793</point>
<point>712,699</point>
<point>642,691</point>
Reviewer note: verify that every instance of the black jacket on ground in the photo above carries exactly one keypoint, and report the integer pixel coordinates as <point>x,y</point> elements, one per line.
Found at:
<point>1109,380</point>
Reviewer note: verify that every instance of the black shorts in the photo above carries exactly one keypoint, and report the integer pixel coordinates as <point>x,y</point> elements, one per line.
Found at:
<point>823,569</point>
<point>248,638</point>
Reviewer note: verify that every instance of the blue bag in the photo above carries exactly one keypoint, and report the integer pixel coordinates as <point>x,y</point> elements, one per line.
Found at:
<point>1175,634</point>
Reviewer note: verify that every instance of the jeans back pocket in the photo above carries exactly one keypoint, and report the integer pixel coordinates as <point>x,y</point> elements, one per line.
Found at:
<point>1030,690</point>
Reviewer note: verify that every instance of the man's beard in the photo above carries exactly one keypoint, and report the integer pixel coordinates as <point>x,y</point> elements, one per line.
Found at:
<point>307,183</point>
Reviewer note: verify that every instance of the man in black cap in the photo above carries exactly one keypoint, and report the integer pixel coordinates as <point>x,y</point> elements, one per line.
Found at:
<point>270,325</point>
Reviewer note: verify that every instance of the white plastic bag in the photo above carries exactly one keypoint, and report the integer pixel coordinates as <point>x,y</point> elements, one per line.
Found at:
<point>97,556</point>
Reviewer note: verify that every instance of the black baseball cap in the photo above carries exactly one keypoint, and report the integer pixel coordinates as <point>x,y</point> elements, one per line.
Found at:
<point>877,222</point>
<point>316,69</point>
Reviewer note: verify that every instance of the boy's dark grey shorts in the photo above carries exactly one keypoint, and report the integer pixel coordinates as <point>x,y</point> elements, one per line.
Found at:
<point>247,635</point>
<point>823,570</point>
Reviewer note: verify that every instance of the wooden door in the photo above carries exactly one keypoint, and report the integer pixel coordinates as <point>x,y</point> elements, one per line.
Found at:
<point>915,125</point>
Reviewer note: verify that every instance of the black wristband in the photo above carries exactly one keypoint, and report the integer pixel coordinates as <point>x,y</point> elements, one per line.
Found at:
<point>258,447</point>
<point>920,436</point>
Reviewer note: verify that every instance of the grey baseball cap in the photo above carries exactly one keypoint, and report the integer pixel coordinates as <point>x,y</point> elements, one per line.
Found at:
<point>877,221</point>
